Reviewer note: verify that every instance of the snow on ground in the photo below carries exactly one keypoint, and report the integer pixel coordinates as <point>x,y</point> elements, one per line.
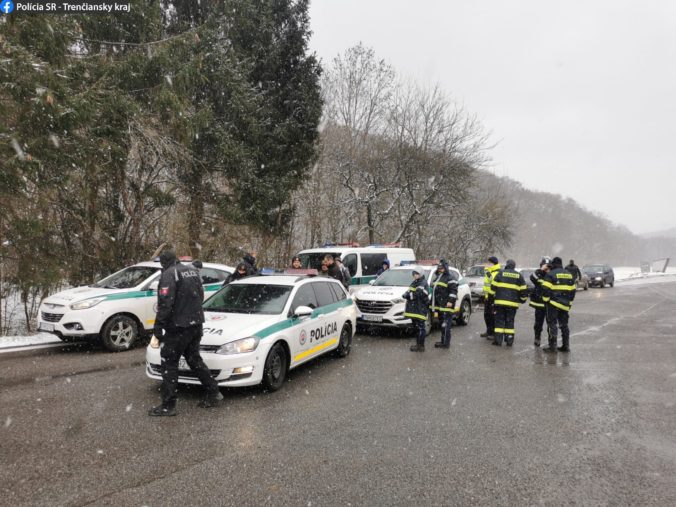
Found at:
<point>625,274</point>
<point>24,341</point>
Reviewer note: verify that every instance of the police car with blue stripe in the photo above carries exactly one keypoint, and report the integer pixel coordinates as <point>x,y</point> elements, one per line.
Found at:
<point>118,309</point>
<point>258,328</point>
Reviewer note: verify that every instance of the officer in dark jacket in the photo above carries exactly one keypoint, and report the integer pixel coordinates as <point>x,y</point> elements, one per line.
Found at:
<point>178,326</point>
<point>417,302</point>
<point>332,268</point>
<point>510,291</point>
<point>444,295</point>
<point>558,294</point>
<point>574,270</point>
<point>384,267</point>
<point>344,271</point>
<point>239,273</point>
<point>538,278</point>
<point>250,263</point>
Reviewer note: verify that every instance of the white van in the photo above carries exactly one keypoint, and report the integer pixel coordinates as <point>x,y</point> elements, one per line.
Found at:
<point>363,262</point>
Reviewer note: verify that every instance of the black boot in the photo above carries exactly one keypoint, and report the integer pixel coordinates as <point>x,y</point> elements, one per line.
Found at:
<point>550,349</point>
<point>162,411</point>
<point>487,335</point>
<point>563,349</point>
<point>509,343</point>
<point>537,340</point>
<point>417,348</point>
<point>211,400</point>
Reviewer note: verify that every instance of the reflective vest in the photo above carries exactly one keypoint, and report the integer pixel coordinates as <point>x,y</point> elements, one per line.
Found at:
<point>558,289</point>
<point>509,288</point>
<point>489,273</point>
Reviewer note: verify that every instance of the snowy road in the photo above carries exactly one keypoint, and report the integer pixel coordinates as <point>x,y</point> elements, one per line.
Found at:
<point>473,425</point>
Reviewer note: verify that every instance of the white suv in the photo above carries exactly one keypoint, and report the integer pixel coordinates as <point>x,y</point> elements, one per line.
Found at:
<point>117,309</point>
<point>381,304</point>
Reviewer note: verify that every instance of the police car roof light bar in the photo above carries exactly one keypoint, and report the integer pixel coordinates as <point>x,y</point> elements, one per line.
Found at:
<point>185,258</point>
<point>385,245</point>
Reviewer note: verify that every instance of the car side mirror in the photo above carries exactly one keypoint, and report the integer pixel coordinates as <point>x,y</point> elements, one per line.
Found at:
<point>371,282</point>
<point>302,311</point>
<point>154,285</point>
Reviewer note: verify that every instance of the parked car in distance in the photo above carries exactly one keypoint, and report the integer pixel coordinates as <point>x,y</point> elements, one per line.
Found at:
<point>475,278</point>
<point>583,281</point>
<point>599,275</point>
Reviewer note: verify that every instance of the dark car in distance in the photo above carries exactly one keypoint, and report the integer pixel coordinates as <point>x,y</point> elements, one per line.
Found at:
<point>599,275</point>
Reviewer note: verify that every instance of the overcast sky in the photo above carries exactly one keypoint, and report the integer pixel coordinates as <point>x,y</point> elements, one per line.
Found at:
<point>579,95</point>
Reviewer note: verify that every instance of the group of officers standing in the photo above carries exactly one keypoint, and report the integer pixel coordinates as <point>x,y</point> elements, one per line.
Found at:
<point>552,296</point>
<point>504,291</point>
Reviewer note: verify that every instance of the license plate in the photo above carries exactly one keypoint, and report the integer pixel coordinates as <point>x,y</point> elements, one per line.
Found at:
<point>183,364</point>
<point>44,326</point>
<point>372,318</point>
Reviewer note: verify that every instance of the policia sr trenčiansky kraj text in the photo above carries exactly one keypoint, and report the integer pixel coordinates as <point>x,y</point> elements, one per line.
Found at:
<point>72,7</point>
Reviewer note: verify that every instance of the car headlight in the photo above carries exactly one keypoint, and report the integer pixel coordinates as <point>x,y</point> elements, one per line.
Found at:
<point>87,303</point>
<point>598,278</point>
<point>398,300</point>
<point>240,346</point>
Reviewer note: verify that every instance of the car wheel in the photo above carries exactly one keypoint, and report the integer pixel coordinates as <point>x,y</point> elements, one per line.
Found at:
<point>344,342</point>
<point>465,312</point>
<point>119,333</point>
<point>276,366</point>
<point>586,286</point>
<point>612,283</point>
<point>602,284</point>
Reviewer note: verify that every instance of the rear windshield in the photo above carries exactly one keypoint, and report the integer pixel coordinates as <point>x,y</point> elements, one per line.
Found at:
<point>475,271</point>
<point>127,278</point>
<point>397,278</point>
<point>249,298</point>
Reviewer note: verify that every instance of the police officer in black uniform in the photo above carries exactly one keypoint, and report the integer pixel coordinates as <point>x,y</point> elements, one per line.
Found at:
<point>417,301</point>
<point>178,326</point>
<point>538,278</point>
<point>558,294</point>
<point>444,295</point>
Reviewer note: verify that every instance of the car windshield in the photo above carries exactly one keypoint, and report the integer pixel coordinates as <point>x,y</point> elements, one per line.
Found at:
<point>314,260</point>
<point>397,278</point>
<point>592,269</point>
<point>475,271</point>
<point>127,278</point>
<point>249,298</point>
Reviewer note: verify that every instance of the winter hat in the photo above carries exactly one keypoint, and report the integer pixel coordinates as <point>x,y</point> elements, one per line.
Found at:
<point>415,270</point>
<point>556,261</point>
<point>493,259</point>
<point>167,258</point>
<point>510,264</point>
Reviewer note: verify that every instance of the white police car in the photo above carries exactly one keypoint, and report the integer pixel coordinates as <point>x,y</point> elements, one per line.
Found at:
<point>260,327</point>
<point>381,303</point>
<point>117,309</point>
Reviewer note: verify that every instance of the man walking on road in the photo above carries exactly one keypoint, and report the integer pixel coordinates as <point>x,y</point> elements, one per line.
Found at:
<point>558,294</point>
<point>574,270</point>
<point>178,326</point>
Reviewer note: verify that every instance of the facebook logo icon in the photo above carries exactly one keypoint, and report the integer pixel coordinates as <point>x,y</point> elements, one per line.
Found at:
<point>7,6</point>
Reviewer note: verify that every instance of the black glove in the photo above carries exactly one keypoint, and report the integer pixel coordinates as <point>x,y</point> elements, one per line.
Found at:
<point>157,331</point>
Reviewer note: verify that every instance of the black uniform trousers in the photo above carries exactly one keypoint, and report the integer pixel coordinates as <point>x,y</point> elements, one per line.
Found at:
<point>184,342</point>
<point>419,328</point>
<point>540,316</point>
<point>558,318</point>
<point>489,316</point>
<point>446,326</point>
<point>504,324</point>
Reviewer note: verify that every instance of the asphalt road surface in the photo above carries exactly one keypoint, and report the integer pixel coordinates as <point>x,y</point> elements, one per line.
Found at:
<point>471,425</point>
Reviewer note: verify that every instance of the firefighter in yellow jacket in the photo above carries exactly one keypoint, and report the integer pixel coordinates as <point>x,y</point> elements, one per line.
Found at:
<point>491,269</point>
<point>510,292</point>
